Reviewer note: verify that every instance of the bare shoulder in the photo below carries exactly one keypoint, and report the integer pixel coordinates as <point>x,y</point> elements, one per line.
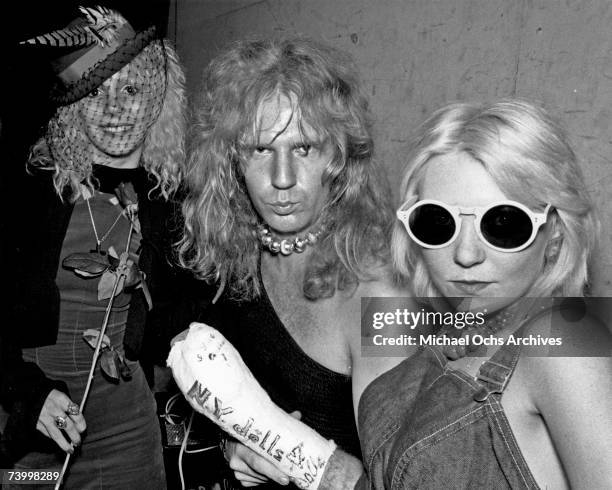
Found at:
<point>569,330</point>
<point>567,357</point>
<point>365,366</point>
<point>381,286</point>
<point>571,390</point>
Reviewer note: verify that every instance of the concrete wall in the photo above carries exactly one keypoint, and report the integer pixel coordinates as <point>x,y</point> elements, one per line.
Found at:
<point>416,55</point>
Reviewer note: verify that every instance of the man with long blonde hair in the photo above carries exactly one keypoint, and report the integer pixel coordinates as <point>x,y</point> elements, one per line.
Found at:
<point>288,213</point>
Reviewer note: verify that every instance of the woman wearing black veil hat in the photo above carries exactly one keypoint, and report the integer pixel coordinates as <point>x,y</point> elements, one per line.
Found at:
<point>94,234</point>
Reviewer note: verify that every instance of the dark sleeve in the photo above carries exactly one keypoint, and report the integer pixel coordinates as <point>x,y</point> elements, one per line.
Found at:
<point>30,315</point>
<point>23,391</point>
<point>177,296</point>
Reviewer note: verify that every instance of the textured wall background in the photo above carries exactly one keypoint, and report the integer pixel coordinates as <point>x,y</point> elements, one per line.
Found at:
<point>416,55</point>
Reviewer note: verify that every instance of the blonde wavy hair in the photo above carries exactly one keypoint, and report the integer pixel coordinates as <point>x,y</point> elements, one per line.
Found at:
<point>219,242</point>
<point>528,155</point>
<point>163,153</point>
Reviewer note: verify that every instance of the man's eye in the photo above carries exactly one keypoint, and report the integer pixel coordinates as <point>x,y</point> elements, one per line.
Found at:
<point>94,93</point>
<point>303,150</point>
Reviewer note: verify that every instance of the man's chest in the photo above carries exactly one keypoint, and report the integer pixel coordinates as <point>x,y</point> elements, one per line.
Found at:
<point>318,327</point>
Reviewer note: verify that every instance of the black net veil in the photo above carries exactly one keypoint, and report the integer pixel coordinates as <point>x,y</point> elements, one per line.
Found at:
<point>111,88</point>
<point>114,116</point>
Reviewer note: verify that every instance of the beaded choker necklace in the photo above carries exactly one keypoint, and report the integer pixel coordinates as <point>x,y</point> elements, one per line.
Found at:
<point>288,245</point>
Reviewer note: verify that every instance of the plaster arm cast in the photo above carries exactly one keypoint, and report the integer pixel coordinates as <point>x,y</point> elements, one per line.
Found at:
<point>217,384</point>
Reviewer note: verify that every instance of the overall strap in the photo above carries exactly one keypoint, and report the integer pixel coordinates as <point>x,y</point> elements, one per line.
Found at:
<point>495,373</point>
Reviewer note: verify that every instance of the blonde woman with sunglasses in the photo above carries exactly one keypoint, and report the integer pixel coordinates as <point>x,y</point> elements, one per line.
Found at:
<point>495,219</point>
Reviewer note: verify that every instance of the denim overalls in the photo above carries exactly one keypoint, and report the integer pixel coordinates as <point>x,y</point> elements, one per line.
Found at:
<point>426,425</point>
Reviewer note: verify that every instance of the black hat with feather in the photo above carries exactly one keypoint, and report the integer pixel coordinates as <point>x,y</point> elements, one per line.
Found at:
<point>103,42</point>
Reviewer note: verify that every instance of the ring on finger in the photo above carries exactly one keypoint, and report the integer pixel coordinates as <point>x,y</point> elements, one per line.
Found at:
<point>61,422</point>
<point>73,409</point>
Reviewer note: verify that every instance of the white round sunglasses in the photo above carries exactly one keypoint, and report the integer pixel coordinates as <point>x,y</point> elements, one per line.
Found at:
<point>506,226</point>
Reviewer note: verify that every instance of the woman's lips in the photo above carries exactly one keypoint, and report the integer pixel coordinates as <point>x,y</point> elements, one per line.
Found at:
<point>470,287</point>
<point>283,208</point>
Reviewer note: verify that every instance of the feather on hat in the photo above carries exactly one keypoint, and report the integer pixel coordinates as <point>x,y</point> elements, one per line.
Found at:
<point>104,42</point>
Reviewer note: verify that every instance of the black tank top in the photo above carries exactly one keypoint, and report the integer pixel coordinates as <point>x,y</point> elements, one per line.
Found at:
<point>293,380</point>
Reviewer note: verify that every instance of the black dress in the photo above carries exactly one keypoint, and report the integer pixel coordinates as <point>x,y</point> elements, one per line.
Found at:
<point>122,445</point>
